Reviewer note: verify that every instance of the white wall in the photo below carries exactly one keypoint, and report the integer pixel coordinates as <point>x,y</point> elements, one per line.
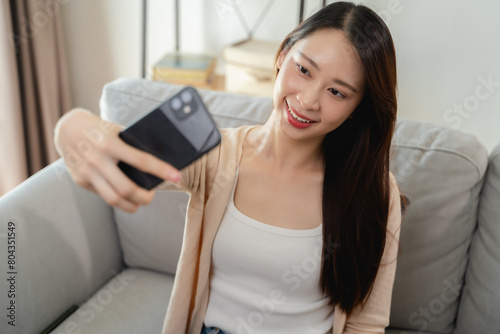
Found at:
<point>447,50</point>
<point>103,42</point>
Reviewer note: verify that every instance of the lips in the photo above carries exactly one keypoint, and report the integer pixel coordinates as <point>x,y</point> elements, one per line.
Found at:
<point>296,119</point>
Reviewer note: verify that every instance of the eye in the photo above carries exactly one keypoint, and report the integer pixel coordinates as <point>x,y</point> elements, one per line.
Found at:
<point>302,69</point>
<point>336,93</point>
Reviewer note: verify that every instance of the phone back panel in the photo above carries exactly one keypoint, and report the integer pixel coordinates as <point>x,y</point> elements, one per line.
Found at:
<point>178,131</point>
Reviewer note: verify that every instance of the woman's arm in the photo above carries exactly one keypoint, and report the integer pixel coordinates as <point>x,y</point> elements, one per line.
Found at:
<point>91,150</point>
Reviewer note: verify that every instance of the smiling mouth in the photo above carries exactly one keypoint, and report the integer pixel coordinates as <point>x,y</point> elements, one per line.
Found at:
<point>298,118</point>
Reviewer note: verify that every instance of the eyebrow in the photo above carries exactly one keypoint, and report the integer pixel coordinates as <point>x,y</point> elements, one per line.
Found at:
<point>338,81</point>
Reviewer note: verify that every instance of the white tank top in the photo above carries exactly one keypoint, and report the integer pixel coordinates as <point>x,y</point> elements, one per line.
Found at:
<point>265,279</point>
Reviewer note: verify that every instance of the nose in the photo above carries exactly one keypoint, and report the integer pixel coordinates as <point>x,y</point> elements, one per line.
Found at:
<point>309,97</point>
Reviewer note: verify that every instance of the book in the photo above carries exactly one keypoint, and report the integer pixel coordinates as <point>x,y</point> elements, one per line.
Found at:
<point>187,69</point>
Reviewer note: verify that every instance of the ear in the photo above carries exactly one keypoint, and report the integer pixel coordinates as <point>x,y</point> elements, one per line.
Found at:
<point>281,58</point>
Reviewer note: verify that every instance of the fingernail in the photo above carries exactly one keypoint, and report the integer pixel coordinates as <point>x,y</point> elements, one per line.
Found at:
<point>175,177</point>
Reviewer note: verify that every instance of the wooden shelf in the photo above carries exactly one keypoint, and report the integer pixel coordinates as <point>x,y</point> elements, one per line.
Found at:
<point>219,83</point>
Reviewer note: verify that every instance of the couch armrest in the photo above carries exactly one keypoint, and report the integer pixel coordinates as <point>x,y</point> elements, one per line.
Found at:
<point>58,245</point>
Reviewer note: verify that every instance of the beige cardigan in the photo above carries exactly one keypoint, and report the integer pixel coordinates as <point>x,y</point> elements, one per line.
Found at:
<point>209,181</point>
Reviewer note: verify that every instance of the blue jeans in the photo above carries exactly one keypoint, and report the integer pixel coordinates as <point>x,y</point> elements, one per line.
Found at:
<point>211,330</point>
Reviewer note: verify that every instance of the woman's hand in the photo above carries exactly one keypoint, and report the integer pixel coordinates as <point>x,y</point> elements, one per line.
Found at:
<point>91,150</point>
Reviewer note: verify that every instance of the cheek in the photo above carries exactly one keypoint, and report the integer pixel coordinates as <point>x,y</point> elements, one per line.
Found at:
<point>287,80</point>
<point>277,90</point>
<point>338,112</point>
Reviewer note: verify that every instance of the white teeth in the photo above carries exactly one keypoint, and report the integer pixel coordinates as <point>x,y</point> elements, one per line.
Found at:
<point>297,117</point>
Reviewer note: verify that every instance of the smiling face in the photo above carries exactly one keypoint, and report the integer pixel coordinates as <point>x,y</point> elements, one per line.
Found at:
<point>319,84</point>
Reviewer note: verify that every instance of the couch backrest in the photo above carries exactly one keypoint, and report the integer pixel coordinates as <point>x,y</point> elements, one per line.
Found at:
<point>439,168</point>
<point>480,304</point>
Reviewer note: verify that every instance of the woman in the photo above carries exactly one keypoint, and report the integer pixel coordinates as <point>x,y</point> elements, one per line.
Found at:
<point>311,184</point>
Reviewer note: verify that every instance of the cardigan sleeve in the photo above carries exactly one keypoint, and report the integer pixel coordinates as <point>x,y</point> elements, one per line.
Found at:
<point>373,316</point>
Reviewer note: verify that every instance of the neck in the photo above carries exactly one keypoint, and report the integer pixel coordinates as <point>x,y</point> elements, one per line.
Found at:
<point>285,153</point>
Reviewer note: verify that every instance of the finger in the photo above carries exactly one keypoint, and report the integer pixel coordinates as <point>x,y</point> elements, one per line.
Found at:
<point>125,187</point>
<point>110,195</point>
<point>146,162</point>
<point>82,182</point>
<point>89,187</point>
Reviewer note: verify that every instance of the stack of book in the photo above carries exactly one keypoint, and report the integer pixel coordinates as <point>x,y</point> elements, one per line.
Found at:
<point>186,69</point>
<point>250,67</point>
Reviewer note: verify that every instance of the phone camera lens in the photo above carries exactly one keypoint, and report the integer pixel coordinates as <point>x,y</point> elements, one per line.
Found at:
<point>186,96</point>
<point>176,104</point>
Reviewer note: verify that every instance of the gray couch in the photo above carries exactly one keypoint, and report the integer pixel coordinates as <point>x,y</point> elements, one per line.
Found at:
<point>71,249</point>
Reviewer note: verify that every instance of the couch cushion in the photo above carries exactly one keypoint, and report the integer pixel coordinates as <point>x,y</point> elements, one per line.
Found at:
<point>441,170</point>
<point>67,247</point>
<point>404,331</point>
<point>480,305</point>
<point>151,237</point>
<point>134,301</point>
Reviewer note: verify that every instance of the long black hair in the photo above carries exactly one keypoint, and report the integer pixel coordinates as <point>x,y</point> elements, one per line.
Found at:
<point>355,202</point>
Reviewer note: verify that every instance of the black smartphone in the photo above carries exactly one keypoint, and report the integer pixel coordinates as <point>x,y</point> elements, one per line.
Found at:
<point>178,131</point>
